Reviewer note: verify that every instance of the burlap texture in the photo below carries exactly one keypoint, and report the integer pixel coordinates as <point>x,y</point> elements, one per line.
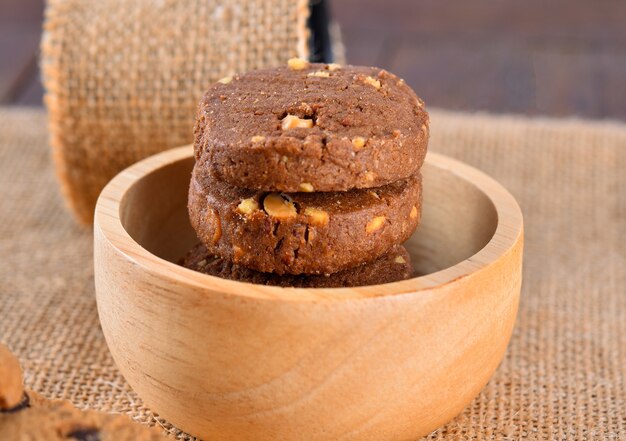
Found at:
<point>564,375</point>
<point>123,78</point>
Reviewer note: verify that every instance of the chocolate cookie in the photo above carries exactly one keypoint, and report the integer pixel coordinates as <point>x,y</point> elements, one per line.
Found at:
<point>311,127</point>
<point>59,420</point>
<point>392,266</point>
<point>11,389</point>
<point>302,233</point>
<point>34,417</point>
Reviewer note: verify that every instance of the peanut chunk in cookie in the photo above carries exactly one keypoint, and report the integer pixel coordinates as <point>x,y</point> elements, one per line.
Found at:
<point>279,206</point>
<point>375,224</point>
<point>293,122</point>
<point>317,217</point>
<point>399,259</point>
<point>372,81</point>
<point>247,206</point>
<point>369,176</point>
<point>320,74</point>
<point>358,142</point>
<point>297,64</point>
<point>306,187</point>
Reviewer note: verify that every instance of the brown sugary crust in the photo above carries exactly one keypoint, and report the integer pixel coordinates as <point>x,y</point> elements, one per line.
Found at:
<point>240,140</point>
<point>392,266</point>
<point>11,380</point>
<point>360,225</point>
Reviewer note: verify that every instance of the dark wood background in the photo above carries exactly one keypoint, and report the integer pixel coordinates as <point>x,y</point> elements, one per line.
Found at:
<point>549,57</point>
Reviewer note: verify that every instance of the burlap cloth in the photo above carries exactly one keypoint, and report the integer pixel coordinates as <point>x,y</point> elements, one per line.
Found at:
<point>123,78</point>
<point>564,375</point>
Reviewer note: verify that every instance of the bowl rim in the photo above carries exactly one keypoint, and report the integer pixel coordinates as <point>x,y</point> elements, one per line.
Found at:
<point>509,231</point>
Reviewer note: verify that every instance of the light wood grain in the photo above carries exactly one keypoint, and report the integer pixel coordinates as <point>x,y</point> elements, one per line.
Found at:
<point>231,361</point>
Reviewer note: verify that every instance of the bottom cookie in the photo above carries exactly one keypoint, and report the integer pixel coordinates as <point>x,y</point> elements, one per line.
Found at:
<point>392,266</point>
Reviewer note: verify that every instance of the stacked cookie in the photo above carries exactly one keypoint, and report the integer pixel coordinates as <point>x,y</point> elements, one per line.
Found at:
<point>307,170</point>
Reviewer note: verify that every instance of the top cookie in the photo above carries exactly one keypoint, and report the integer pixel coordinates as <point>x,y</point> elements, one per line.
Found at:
<point>311,127</point>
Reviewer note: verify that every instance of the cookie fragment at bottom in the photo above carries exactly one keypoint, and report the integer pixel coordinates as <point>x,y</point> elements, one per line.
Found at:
<point>26,415</point>
<point>393,266</point>
<point>56,420</point>
<point>11,381</point>
<point>24,404</point>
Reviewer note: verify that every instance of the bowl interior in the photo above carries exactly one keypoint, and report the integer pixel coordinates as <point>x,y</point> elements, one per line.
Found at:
<point>458,219</point>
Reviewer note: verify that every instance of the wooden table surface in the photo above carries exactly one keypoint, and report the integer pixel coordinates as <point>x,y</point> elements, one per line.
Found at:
<point>562,57</point>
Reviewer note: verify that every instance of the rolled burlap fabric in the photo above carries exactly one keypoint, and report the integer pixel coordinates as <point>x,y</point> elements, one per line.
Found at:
<point>123,78</point>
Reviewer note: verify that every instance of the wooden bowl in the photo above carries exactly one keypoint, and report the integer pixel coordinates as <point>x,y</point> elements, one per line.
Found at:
<point>226,360</point>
